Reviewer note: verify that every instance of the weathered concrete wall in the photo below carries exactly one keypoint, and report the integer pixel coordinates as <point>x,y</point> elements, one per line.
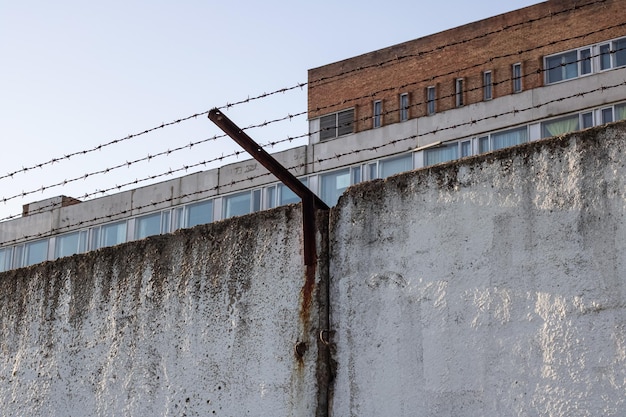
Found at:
<point>494,286</point>
<point>199,323</point>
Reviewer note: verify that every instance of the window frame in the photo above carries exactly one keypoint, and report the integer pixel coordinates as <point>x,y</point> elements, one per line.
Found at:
<point>404,107</point>
<point>458,92</point>
<point>550,68</point>
<point>377,114</point>
<point>80,247</point>
<point>254,203</point>
<point>6,258</point>
<point>440,152</point>
<point>337,129</point>
<point>195,210</point>
<point>590,59</point>
<point>431,100</point>
<point>327,195</point>
<point>32,250</point>
<point>516,77</point>
<point>487,85</point>
<point>611,54</point>
<point>564,118</point>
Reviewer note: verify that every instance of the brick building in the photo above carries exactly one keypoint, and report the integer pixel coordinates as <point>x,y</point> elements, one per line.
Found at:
<point>515,69</point>
<point>536,72</point>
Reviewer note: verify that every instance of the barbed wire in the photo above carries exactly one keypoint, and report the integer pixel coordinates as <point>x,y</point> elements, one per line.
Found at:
<point>148,158</point>
<point>99,147</point>
<point>119,187</point>
<point>299,85</point>
<point>306,164</point>
<point>236,153</point>
<point>168,152</point>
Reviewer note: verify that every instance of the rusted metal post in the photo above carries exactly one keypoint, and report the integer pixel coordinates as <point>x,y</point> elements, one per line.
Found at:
<point>310,201</point>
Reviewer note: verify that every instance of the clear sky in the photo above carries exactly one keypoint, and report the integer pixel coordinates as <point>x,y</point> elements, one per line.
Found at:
<point>77,74</point>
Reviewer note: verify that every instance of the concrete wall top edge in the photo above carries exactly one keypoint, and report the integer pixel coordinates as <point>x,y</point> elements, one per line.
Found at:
<point>447,172</point>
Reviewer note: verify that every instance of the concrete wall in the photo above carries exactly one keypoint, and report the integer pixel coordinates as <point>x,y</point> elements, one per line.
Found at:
<point>494,286</point>
<point>199,323</point>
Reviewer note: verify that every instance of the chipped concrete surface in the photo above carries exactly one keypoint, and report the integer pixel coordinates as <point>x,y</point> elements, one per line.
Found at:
<point>199,323</point>
<point>494,286</point>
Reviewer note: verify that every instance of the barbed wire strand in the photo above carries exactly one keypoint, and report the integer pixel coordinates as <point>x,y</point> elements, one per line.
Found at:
<point>148,158</point>
<point>291,116</point>
<point>298,85</point>
<point>99,147</point>
<point>318,160</point>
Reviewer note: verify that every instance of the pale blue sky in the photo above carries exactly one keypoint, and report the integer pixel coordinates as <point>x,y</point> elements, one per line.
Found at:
<point>75,74</point>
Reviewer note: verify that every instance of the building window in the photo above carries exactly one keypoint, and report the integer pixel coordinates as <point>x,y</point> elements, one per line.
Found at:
<point>356,175</point>
<point>404,107</point>
<point>336,124</point>
<point>579,62</point>
<point>333,185</point>
<point>378,113</point>
<point>517,78</point>
<point>560,126</point>
<point>619,48</point>
<point>620,111</point>
<point>459,92</point>
<point>487,86</point>
<point>587,119</point>
<point>607,115</point>
<point>286,196</point>
<point>242,203</point>
<point>561,67</point>
<point>508,138</point>
<point>148,225</point>
<point>503,139</point>
<point>431,96</point>
<point>605,56</point>
<point>483,144</point>
<point>466,148</point>
<point>585,61</point>
<point>109,235</point>
<point>391,166</point>
<point>199,213</point>
<point>613,54</point>
<point>441,154</point>
<point>70,244</point>
<point>36,252</point>
<point>5,259</point>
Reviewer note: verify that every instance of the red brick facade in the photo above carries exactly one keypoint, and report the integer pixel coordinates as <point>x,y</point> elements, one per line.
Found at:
<point>523,36</point>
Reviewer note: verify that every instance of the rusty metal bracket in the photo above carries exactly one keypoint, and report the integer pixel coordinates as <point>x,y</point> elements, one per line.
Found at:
<point>310,201</point>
